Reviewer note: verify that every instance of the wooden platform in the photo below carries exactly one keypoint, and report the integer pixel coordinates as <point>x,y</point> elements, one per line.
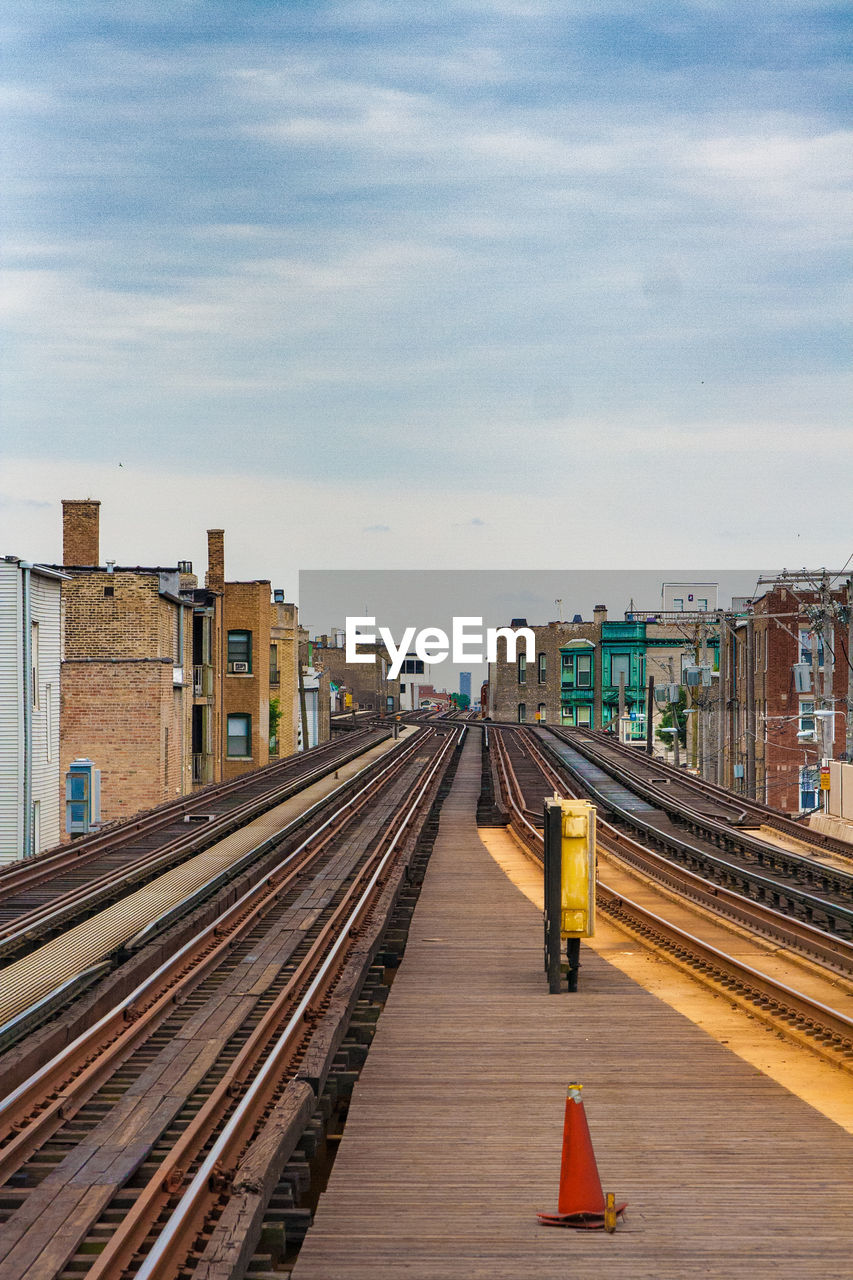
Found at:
<point>453,1137</point>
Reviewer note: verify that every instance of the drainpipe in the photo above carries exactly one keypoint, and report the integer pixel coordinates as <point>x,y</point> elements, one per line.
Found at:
<point>27,654</point>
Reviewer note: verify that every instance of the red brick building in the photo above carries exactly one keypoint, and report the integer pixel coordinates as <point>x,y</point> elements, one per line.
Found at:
<point>792,629</point>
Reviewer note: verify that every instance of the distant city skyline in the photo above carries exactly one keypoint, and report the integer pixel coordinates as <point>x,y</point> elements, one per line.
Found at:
<point>467,283</point>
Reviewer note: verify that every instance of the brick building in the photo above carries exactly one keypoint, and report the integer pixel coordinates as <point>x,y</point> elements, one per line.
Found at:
<point>126,700</point>
<point>789,737</point>
<point>579,667</point>
<point>560,686</point>
<point>284,676</point>
<point>367,683</point>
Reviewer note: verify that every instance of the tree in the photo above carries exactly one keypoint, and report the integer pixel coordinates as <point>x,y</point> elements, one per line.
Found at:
<point>275,717</point>
<point>673,713</point>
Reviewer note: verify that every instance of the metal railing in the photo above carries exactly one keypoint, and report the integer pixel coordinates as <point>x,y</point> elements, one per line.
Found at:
<point>203,680</point>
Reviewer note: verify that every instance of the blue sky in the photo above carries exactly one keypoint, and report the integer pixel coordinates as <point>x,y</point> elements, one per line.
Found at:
<point>481,283</point>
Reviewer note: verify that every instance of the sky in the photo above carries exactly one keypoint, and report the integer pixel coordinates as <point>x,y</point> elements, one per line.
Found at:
<point>469,283</point>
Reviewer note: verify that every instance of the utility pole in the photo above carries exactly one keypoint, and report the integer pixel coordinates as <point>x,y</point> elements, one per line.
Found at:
<point>720,776</point>
<point>673,706</point>
<point>650,711</point>
<point>828,622</point>
<point>704,734</point>
<point>750,706</point>
<point>848,737</point>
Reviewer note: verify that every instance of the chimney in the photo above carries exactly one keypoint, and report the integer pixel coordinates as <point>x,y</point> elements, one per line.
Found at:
<point>81,532</point>
<point>215,576</point>
<point>599,614</point>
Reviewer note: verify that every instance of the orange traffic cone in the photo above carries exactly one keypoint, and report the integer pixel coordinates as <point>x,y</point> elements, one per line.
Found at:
<point>580,1202</point>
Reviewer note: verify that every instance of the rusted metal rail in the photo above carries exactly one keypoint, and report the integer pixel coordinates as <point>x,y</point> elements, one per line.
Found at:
<point>829,1030</point>
<point>245,1082</point>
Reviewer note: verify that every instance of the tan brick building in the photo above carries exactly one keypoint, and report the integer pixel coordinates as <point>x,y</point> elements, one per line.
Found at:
<point>253,648</point>
<point>126,700</point>
<point>367,683</point>
<point>530,692</point>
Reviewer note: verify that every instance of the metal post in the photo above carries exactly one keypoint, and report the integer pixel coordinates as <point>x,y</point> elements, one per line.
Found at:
<point>848,737</point>
<point>750,707</point>
<point>720,776</point>
<point>27,660</point>
<point>553,894</point>
<point>573,956</point>
<point>650,705</point>
<point>828,619</point>
<point>673,708</point>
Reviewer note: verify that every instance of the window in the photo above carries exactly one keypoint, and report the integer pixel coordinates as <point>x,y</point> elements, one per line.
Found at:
<point>808,788</point>
<point>413,667</point>
<point>274,676</point>
<point>522,668</point>
<point>543,713</point>
<point>584,671</point>
<point>807,716</point>
<point>806,647</point>
<point>678,603</point>
<point>620,665</point>
<point>522,712</point>
<point>702,606</point>
<point>240,652</point>
<point>35,656</point>
<point>239,744</point>
<point>542,668</point>
<point>583,716</point>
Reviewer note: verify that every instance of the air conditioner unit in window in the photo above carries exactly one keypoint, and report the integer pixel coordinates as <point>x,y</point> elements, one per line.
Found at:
<point>240,668</point>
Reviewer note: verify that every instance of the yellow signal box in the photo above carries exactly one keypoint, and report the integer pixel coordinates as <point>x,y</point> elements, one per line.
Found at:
<point>577,879</point>
<point>569,886</point>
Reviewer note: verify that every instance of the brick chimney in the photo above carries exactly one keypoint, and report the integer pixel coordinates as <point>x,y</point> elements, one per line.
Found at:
<point>81,531</point>
<point>215,576</point>
<point>599,614</point>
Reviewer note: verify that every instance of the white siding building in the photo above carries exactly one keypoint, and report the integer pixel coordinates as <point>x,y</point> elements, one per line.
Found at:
<point>30,653</point>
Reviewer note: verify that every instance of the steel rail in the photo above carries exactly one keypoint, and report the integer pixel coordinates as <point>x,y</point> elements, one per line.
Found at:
<point>18,877</point>
<point>42,970</point>
<point>758,809</point>
<point>176,1237</point>
<point>27,926</point>
<point>719,831</point>
<point>821,1022</point>
<point>787,1004</point>
<point>53,1093</point>
<point>829,950</point>
<point>810,902</point>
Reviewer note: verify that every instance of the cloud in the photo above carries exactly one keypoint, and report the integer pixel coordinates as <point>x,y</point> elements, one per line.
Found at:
<point>503,235</point>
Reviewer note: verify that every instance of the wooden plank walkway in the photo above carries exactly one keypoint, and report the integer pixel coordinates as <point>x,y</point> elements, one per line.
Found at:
<point>453,1137</point>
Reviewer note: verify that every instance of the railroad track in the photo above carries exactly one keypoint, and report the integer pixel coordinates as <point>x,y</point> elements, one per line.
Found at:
<point>51,976</point>
<point>800,886</point>
<point>43,896</point>
<point>119,1156</point>
<point>527,774</point>
<point>741,809</point>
